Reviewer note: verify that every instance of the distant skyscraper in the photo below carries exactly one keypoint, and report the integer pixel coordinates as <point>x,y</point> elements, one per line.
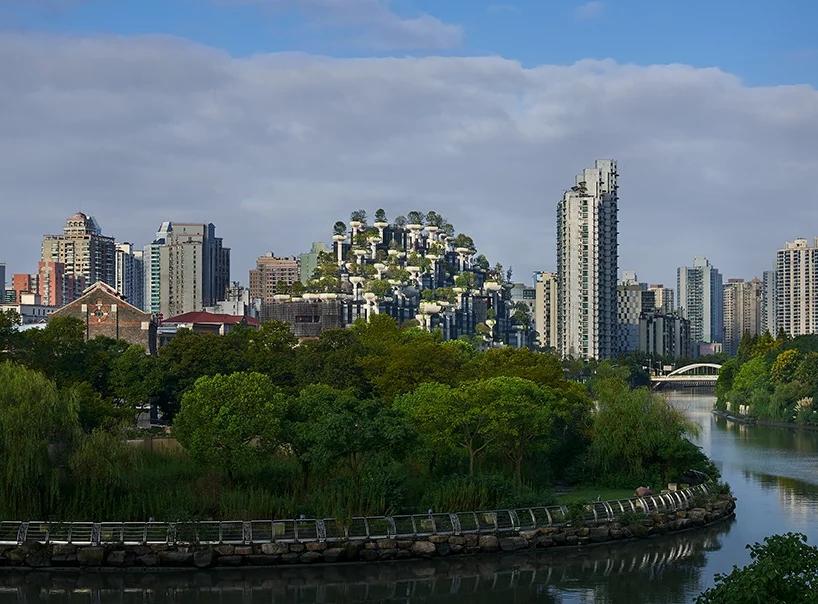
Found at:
<point>742,311</point>
<point>662,297</point>
<point>587,263</point>
<point>186,269</point>
<point>700,301</point>
<point>308,261</point>
<point>83,249</point>
<point>768,303</point>
<point>2,282</point>
<point>796,282</point>
<point>23,283</point>
<point>273,275</point>
<point>130,274</point>
<point>545,310</point>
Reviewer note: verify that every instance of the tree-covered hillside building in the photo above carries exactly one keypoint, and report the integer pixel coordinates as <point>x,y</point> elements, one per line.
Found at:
<point>413,269</point>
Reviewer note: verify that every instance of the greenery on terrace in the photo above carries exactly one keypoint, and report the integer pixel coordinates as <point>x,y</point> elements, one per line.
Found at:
<point>373,419</point>
<point>777,379</point>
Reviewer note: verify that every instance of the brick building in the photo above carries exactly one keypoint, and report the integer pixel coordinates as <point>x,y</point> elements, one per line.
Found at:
<point>106,313</point>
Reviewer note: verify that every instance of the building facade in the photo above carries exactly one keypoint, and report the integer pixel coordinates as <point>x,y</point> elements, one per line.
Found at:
<point>796,284</point>
<point>30,308</point>
<point>587,264</point>
<point>742,311</point>
<point>186,269</point>
<point>55,286</point>
<point>664,336</point>
<point>545,310</point>
<point>130,274</point>
<point>308,261</point>
<point>663,298</point>
<point>769,295</point>
<point>700,292</point>
<point>633,300</point>
<point>273,275</point>
<point>104,312</point>
<point>83,250</point>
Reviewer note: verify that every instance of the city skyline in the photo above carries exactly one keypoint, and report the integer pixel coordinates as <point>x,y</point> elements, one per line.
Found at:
<point>265,142</point>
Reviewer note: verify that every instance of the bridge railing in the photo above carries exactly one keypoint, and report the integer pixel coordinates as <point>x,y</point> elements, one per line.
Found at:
<point>408,526</point>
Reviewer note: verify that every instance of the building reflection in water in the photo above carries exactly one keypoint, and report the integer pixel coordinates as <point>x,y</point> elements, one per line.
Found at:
<point>665,569</point>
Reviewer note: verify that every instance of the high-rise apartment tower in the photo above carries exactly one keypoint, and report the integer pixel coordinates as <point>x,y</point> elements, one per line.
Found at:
<point>587,263</point>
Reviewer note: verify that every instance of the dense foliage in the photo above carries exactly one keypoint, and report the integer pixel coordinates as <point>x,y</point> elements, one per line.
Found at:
<point>773,379</point>
<point>372,419</point>
<point>784,569</point>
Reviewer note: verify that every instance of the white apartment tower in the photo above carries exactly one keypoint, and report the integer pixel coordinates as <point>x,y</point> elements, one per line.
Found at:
<point>130,274</point>
<point>796,284</point>
<point>587,264</point>
<point>545,310</point>
<point>700,301</point>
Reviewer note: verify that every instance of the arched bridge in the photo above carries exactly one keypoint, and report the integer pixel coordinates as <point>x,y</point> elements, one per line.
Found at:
<point>695,374</point>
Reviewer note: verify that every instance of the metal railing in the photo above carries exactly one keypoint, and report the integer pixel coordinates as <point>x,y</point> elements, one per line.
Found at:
<point>238,532</point>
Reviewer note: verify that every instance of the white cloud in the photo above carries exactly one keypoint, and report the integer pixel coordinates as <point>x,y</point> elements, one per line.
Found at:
<point>590,10</point>
<point>274,148</point>
<point>372,23</point>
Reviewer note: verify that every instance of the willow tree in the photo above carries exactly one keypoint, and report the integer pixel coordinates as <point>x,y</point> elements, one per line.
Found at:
<point>37,429</point>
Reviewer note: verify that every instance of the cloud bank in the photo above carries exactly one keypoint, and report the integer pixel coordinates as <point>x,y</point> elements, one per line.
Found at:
<point>274,148</point>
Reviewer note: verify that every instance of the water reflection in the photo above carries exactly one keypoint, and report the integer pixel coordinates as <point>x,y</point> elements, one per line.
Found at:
<point>658,570</point>
<point>773,472</point>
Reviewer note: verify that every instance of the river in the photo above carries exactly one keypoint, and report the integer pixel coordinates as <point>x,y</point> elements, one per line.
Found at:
<point>772,471</point>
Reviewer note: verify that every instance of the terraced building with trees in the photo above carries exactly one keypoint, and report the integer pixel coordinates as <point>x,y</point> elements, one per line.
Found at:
<point>414,269</point>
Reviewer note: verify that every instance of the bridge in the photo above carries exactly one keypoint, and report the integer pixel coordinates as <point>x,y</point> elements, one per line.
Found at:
<point>695,374</point>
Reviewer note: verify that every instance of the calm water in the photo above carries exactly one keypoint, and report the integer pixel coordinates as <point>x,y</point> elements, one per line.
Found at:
<point>773,472</point>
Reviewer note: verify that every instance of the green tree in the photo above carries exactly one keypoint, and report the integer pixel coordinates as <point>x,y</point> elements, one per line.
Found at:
<point>9,335</point>
<point>58,350</point>
<point>453,419</point>
<point>326,426</point>
<point>638,437</point>
<point>37,430</point>
<point>523,415</point>
<point>228,421</point>
<point>807,373</point>
<point>753,376</point>
<point>784,367</point>
<point>783,570</point>
<point>100,467</point>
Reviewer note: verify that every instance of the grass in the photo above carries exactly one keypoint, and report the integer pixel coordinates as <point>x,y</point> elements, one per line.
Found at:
<point>586,493</point>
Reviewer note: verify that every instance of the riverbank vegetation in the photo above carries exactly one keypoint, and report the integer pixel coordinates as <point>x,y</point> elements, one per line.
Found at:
<point>369,420</point>
<point>772,379</point>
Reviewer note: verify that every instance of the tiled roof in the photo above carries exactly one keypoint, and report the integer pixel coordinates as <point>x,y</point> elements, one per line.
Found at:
<point>202,317</point>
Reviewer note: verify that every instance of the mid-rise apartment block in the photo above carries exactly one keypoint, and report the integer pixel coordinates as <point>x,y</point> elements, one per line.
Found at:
<point>587,264</point>
<point>633,300</point>
<point>700,301</point>
<point>796,284</point>
<point>545,310</point>
<point>83,250</point>
<point>665,336</point>
<point>272,276</point>
<point>742,311</point>
<point>186,269</point>
<point>55,286</point>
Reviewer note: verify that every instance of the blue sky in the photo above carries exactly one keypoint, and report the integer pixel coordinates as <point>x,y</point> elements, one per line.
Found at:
<point>762,41</point>
<point>274,118</point>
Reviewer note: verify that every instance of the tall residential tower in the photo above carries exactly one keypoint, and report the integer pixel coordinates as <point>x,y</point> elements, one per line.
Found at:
<point>587,263</point>
<point>796,283</point>
<point>700,301</point>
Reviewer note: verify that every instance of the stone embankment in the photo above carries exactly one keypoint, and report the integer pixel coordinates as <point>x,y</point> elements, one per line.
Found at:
<point>34,554</point>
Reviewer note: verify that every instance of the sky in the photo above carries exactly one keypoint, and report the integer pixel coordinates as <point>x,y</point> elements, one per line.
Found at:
<point>274,118</point>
